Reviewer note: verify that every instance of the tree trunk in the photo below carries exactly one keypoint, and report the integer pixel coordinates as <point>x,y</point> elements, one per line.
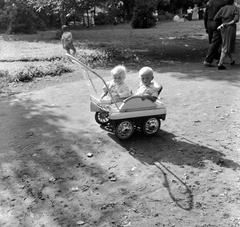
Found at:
<point>63,18</point>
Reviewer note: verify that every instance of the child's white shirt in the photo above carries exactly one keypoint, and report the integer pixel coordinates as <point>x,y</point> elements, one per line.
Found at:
<point>123,90</point>
<point>152,89</point>
<point>66,37</point>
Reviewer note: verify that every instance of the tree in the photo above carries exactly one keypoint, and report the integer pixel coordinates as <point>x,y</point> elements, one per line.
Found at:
<point>143,14</point>
<point>64,7</point>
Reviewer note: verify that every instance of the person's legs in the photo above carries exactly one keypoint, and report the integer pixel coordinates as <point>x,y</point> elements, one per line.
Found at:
<point>222,57</point>
<point>216,40</point>
<point>74,51</point>
<point>232,62</point>
<point>68,50</point>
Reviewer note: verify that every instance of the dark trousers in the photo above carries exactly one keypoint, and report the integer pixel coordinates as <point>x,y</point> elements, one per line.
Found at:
<point>189,16</point>
<point>215,41</point>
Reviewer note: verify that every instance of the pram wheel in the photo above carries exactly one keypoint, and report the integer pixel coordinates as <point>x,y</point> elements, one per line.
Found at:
<point>151,126</point>
<point>124,129</point>
<point>102,117</point>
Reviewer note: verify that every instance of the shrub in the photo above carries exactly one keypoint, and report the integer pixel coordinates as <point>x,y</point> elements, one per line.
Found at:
<point>23,20</point>
<point>28,73</point>
<point>101,19</point>
<point>4,20</point>
<point>143,15</point>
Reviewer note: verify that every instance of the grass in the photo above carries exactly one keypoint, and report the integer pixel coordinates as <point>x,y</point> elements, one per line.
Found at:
<point>104,46</point>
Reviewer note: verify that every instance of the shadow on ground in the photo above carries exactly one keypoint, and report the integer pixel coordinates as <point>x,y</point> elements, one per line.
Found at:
<point>166,148</point>
<point>46,175</point>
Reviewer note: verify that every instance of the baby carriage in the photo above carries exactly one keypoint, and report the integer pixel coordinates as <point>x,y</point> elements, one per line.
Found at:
<point>133,113</point>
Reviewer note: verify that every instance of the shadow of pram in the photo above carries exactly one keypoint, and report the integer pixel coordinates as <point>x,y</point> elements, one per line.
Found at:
<point>165,147</point>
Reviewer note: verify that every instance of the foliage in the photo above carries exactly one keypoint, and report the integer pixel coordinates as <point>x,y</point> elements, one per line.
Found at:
<point>4,20</point>
<point>28,73</point>
<point>101,19</point>
<point>143,14</point>
<point>23,21</point>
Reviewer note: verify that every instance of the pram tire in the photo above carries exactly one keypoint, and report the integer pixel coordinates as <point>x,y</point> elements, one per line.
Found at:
<point>151,125</point>
<point>102,117</point>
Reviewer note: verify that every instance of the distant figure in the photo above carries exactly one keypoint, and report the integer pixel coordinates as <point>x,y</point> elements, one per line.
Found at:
<point>92,20</point>
<point>67,40</point>
<point>200,13</point>
<point>189,13</point>
<point>195,12</point>
<point>85,20</point>
<point>115,22</point>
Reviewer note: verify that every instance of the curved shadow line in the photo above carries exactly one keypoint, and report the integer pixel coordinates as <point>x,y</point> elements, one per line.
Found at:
<point>166,185</point>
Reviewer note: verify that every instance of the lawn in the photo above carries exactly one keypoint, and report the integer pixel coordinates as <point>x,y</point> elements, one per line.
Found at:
<point>27,56</point>
<point>103,46</point>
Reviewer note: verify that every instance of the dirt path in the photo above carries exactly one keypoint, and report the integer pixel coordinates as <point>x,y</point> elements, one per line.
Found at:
<point>186,175</point>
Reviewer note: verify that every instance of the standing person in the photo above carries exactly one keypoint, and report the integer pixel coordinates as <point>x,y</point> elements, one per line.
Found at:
<point>229,16</point>
<point>189,13</point>
<point>67,40</point>
<point>200,13</point>
<point>214,35</point>
<point>195,12</point>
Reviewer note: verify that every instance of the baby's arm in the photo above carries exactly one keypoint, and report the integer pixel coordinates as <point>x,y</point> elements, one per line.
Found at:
<point>105,91</point>
<point>152,98</point>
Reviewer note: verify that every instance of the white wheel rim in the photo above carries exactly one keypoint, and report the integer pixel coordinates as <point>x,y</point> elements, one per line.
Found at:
<point>103,117</point>
<point>125,129</point>
<point>151,126</point>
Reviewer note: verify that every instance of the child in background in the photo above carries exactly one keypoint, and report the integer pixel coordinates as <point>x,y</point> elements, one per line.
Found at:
<point>148,88</point>
<point>67,40</point>
<point>118,88</point>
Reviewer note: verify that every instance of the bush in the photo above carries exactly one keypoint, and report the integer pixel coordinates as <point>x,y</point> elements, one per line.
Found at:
<point>23,20</point>
<point>101,19</point>
<point>143,15</point>
<point>28,73</point>
<point>4,20</point>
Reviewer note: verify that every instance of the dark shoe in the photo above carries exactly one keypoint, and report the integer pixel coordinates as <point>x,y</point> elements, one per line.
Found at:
<point>205,63</point>
<point>221,66</point>
<point>232,62</point>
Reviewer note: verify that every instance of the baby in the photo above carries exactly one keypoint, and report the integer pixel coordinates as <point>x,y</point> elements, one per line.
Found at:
<point>148,88</point>
<point>118,88</point>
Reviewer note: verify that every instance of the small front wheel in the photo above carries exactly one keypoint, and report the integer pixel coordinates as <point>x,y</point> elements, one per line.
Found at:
<point>151,126</point>
<point>102,117</point>
<point>124,129</point>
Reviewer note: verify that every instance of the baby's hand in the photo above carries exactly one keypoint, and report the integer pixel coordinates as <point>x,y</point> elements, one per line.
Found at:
<point>116,97</point>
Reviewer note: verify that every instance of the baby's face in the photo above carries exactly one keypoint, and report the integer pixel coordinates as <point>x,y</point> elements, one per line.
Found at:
<point>146,79</point>
<point>118,79</point>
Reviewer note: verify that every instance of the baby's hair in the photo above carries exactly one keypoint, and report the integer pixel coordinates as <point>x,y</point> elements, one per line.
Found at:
<point>145,71</point>
<point>119,70</point>
<point>65,28</point>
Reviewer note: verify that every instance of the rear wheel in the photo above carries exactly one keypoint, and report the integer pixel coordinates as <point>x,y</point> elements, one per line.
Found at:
<point>151,126</point>
<point>102,117</point>
<point>124,129</point>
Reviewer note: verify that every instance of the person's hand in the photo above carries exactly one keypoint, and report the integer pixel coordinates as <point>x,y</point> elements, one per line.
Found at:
<point>222,26</point>
<point>116,96</point>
